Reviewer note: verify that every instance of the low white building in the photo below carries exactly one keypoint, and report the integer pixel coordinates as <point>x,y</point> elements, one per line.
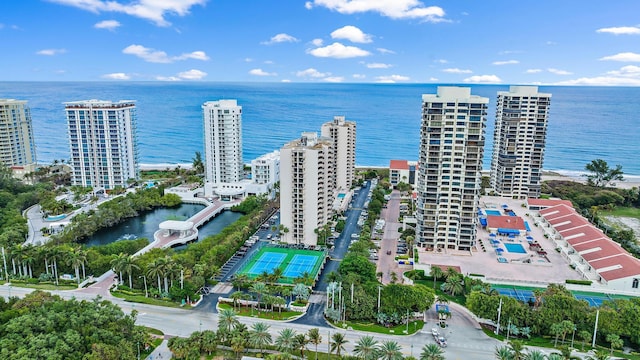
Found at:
<point>403,171</point>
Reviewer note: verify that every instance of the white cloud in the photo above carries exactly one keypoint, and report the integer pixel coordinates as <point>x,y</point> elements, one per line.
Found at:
<point>602,81</point>
<point>620,30</point>
<point>352,34</point>
<point>260,72</point>
<point>392,78</point>
<point>51,52</point>
<point>285,80</point>
<point>507,52</point>
<point>457,71</point>
<point>116,76</point>
<point>358,76</point>
<point>311,72</point>
<point>192,74</point>
<point>551,43</point>
<point>626,71</point>
<point>476,79</point>
<point>269,62</point>
<point>280,38</point>
<point>441,61</point>
<point>153,10</point>
<point>317,42</point>
<point>248,59</point>
<point>559,72</point>
<point>395,9</point>
<point>378,66</point>
<point>158,56</point>
<point>107,24</point>
<point>168,78</point>
<point>334,79</point>
<point>338,51</point>
<point>533,71</point>
<point>385,51</point>
<point>506,62</point>
<point>433,79</point>
<point>625,57</point>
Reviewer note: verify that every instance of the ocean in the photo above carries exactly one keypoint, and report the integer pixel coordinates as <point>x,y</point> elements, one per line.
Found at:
<point>585,123</point>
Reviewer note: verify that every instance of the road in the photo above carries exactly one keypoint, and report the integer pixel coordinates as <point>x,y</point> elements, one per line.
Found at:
<point>464,343</point>
<point>387,263</point>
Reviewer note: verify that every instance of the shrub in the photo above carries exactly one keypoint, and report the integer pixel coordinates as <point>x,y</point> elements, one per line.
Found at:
<point>578,282</point>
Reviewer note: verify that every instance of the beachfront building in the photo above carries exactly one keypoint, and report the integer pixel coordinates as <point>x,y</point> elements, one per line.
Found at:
<point>343,134</point>
<point>519,141</point>
<point>306,189</point>
<point>17,147</point>
<point>265,173</point>
<point>449,171</point>
<point>102,140</point>
<point>223,147</point>
<point>588,250</point>
<point>403,171</point>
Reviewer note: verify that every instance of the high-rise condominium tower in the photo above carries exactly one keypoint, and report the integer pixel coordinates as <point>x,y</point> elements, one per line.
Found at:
<point>518,141</point>
<point>102,137</point>
<point>343,134</point>
<point>306,189</point>
<point>16,134</point>
<point>222,143</point>
<point>451,148</point>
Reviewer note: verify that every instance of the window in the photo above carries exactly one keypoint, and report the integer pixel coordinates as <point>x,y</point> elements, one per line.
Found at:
<point>634,285</point>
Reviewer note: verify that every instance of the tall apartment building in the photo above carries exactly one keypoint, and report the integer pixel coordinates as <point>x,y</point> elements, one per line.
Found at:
<point>17,146</point>
<point>222,143</point>
<point>343,134</point>
<point>450,165</point>
<point>519,142</point>
<point>102,139</point>
<point>306,189</point>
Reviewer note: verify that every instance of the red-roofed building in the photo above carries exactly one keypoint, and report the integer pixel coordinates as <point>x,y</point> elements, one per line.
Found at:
<point>539,204</point>
<point>403,171</point>
<point>590,251</point>
<point>494,223</point>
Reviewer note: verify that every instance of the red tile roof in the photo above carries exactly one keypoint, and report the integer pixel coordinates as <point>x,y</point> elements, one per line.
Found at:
<point>582,233</point>
<point>505,222</point>
<point>568,222</point>
<point>548,202</point>
<point>617,267</point>
<point>399,165</point>
<point>598,249</point>
<point>557,211</point>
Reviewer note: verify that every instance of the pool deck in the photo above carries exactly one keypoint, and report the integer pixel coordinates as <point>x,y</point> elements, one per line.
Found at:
<point>486,263</point>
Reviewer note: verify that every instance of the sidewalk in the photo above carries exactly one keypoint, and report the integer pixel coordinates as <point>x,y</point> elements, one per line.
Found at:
<point>161,352</point>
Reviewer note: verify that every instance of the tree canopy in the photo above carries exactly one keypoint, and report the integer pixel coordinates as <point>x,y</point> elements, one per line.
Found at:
<point>601,175</point>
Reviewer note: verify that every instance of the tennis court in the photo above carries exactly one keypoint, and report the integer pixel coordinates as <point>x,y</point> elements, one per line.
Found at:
<point>293,263</point>
<point>526,294</point>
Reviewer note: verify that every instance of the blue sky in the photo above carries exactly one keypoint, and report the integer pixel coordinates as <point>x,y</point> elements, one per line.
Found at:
<point>465,41</point>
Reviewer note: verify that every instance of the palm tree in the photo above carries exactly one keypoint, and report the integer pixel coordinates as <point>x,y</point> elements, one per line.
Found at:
<point>280,302</point>
<point>534,355</point>
<point>286,340</point>
<point>156,269</point>
<point>337,343</point>
<point>128,266</point>
<point>259,288</point>
<point>390,350</point>
<point>117,264</point>
<point>516,348</point>
<point>366,348</point>
<point>554,356</point>
<point>300,342</point>
<point>259,335</point>
<point>599,355</point>
<point>276,275</point>
<point>76,258</point>
<point>237,295</point>
<point>209,341</point>
<point>28,258</point>
<point>451,273</point>
<point>227,320</point>
<point>615,342</point>
<point>432,352</point>
<point>435,273</point>
<point>315,338</point>
<point>503,353</point>
<point>237,345</point>
<point>453,285</point>
<point>56,254</point>
<point>585,336</point>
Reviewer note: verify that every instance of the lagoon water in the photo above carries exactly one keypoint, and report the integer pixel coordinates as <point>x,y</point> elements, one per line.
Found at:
<point>147,224</point>
<point>585,122</point>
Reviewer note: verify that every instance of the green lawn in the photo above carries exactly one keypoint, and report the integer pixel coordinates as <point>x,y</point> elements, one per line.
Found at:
<point>621,211</point>
<point>414,327</point>
<point>43,286</point>
<point>458,299</point>
<point>247,311</point>
<point>145,300</point>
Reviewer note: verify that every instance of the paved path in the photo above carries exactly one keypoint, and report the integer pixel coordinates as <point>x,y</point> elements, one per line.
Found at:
<point>389,242</point>
<point>161,352</point>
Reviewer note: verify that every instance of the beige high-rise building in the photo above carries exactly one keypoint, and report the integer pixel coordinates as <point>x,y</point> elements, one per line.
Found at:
<point>306,189</point>
<point>449,171</point>
<point>343,134</point>
<point>519,142</point>
<point>103,142</point>
<point>17,147</point>
<point>222,144</point>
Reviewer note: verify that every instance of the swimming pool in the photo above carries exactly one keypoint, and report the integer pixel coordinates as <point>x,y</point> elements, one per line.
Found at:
<point>341,196</point>
<point>515,248</point>
<point>56,217</point>
<point>493,212</point>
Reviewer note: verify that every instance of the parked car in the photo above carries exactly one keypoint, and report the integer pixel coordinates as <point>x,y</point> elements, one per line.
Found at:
<point>388,252</point>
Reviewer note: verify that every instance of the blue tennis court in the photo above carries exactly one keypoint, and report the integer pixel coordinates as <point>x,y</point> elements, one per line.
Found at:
<point>591,299</point>
<point>267,262</point>
<point>300,264</point>
<point>594,299</point>
<point>522,295</point>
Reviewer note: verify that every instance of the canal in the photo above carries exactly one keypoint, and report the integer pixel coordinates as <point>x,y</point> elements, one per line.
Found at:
<point>145,225</point>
